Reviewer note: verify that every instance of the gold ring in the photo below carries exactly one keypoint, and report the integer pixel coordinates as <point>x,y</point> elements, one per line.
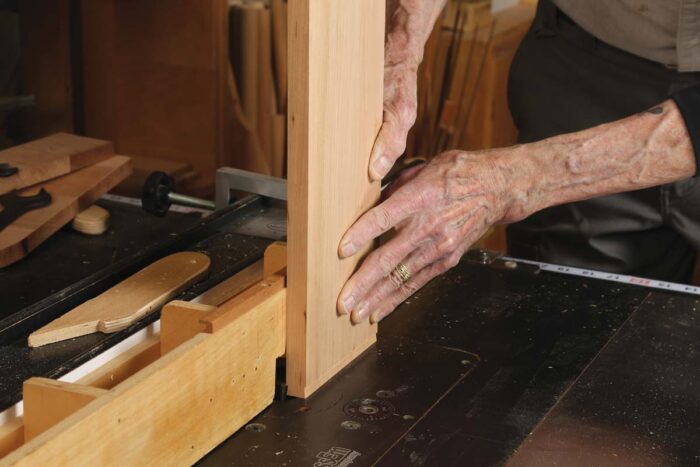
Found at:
<point>401,274</point>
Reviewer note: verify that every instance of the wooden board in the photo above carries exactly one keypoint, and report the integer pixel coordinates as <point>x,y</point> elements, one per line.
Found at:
<point>51,157</point>
<point>48,401</point>
<point>128,301</point>
<point>336,61</point>
<point>70,195</point>
<point>222,381</point>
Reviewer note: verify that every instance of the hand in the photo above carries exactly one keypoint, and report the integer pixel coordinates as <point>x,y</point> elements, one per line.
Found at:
<point>410,24</point>
<point>400,107</point>
<point>438,210</point>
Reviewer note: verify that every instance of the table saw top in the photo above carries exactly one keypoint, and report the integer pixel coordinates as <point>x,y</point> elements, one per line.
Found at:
<point>462,373</point>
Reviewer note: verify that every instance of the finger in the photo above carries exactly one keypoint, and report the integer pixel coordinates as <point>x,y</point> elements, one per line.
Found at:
<point>404,177</point>
<point>378,220</point>
<point>374,269</point>
<point>423,277</point>
<point>381,289</point>
<point>389,145</point>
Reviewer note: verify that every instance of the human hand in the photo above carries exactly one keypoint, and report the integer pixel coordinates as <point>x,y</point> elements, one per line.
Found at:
<point>410,24</point>
<point>438,209</point>
<point>400,110</point>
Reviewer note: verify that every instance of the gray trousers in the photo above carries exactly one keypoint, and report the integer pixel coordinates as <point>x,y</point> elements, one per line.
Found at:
<point>564,80</point>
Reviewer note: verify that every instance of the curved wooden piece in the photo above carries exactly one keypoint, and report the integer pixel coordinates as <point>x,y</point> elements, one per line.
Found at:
<point>128,301</point>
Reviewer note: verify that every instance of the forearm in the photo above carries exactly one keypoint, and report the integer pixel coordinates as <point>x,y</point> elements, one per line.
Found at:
<point>648,149</point>
<point>410,23</point>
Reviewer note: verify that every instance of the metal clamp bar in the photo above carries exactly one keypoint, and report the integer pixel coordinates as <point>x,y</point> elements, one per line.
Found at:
<point>228,179</point>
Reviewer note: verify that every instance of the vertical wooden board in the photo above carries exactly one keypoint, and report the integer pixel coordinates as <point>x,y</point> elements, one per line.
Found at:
<point>335,111</point>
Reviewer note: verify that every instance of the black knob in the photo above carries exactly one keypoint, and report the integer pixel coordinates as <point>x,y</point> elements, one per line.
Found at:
<point>156,189</point>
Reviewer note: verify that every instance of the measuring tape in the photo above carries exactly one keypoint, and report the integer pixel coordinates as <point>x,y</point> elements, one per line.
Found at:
<point>607,276</point>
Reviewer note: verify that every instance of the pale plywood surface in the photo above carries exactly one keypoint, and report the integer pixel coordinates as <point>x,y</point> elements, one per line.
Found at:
<point>335,104</point>
<point>47,402</point>
<point>147,420</point>
<point>51,157</point>
<point>128,301</point>
<point>70,194</point>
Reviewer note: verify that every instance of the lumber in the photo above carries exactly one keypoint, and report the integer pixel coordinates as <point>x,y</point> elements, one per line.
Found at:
<point>275,259</point>
<point>336,65</point>
<point>232,286</point>
<point>51,157</point>
<point>222,380</point>
<point>92,221</point>
<point>47,402</point>
<point>123,366</point>
<point>128,301</point>
<point>11,436</point>
<point>241,303</point>
<point>180,321</point>
<point>70,194</point>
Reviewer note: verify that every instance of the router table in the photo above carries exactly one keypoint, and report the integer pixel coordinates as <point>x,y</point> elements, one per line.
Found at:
<point>498,361</point>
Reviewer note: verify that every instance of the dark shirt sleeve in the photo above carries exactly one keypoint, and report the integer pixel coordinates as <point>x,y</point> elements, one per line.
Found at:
<point>688,102</point>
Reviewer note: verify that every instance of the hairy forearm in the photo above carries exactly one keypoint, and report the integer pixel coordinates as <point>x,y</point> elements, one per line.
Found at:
<point>648,149</point>
<point>409,25</point>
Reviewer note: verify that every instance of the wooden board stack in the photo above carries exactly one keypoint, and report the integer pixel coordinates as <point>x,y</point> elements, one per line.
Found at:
<point>75,171</point>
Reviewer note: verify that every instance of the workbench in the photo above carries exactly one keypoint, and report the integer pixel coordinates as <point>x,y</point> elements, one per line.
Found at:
<point>495,360</point>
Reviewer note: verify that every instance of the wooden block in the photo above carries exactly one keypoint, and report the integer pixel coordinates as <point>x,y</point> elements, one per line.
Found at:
<point>47,402</point>
<point>241,303</point>
<point>11,436</point>
<point>180,321</point>
<point>122,367</point>
<point>232,286</point>
<point>335,112</point>
<point>92,221</point>
<point>51,157</point>
<point>128,301</point>
<point>180,407</point>
<point>275,258</point>
<point>70,194</point>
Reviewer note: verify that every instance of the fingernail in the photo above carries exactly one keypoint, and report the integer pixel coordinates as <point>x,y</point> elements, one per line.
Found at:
<point>359,314</point>
<point>347,248</point>
<point>348,304</point>
<point>374,317</point>
<point>381,166</point>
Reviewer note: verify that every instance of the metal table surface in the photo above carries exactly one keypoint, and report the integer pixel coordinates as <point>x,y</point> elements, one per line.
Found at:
<point>469,366</point>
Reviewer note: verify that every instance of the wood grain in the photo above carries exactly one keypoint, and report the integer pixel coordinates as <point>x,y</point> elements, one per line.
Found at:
<point>51,157</point>
<point>92,221</point>
<point>180,407</point>
<point>336,60</point>
<point>70,195</point>
<point>47,402</point>
<point>128,301</point>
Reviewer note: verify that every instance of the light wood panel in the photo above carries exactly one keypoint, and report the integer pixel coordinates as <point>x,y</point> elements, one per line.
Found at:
<point>51,157</point>
<point>70,195</point>
<point>179,322</point>
<point>223,380</point>
<point>336,60</point>
<point>47,402</point>
<point>128,301</point>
